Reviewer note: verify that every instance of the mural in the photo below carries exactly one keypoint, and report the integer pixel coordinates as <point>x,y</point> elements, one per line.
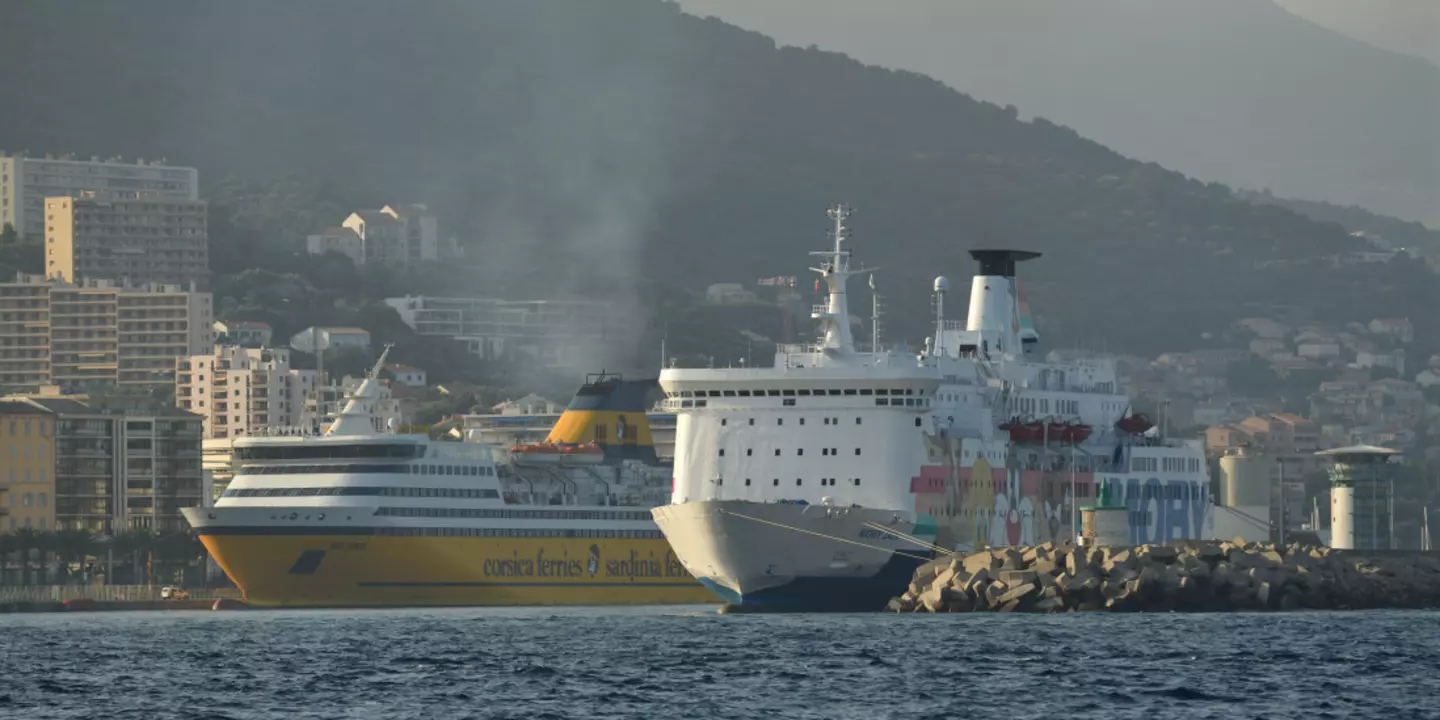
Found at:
<point>989,505</point>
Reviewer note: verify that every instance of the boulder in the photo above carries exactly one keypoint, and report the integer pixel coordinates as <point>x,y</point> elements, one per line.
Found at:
<point>977,582</point>
<point>1046,566</point>
<point>1209,553</point>
<point>897,605</point>
<point>1016,578</point>
<point>1010,559</point>
<point>1018,593</point>
<point>1050,605</point>
<point>1010,606</point>
<point>934,598</point>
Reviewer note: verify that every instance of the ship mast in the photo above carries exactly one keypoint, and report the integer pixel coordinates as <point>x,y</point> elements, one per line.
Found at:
<point>834,316</point>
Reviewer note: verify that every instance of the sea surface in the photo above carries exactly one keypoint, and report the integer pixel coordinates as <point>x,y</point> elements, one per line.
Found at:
<point>692,663</point>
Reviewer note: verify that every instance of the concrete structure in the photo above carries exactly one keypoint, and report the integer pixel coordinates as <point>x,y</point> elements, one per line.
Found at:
<point>118,469</point>
<point>1106,523</point>
<point>406,375</point>
<point>245,333</point>
<point>79,335</point>
<point>555,333</point>
<point>238,391</point>
<point>394,234</point>
<point>26,182</point>
<point>1361,497</point>
<point>27,467</point>
<point>131,242</point>
<point>1289,440</point>
<point>330,339</point>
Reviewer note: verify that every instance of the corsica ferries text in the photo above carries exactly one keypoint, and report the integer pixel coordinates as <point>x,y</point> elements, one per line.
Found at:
<point>633,566</point>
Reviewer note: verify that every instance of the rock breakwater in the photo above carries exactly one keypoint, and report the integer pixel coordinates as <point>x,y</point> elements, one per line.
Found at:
<point>1188,577</point>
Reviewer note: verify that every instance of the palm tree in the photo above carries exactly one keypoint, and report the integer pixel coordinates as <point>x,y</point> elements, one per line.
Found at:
<point>28,542</point>
<point>73,546</point>
<point>7,546</point>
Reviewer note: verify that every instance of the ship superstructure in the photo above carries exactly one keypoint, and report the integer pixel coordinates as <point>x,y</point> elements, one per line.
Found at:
<point>821,482</point>
<point>352,517</point>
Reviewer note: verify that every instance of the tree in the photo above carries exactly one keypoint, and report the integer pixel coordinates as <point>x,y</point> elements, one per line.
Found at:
<point>8,236</point>
<point>30,546</point>
<point>72,546</point>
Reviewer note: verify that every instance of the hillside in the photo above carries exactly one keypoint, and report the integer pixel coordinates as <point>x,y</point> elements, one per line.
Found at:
<point>626,151</point>
<point>1235,91</point>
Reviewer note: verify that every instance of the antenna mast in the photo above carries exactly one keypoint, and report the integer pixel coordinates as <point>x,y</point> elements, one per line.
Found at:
<point>874,315</point>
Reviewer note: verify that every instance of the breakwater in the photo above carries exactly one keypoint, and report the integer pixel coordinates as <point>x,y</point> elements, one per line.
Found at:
<point>1186,576</point>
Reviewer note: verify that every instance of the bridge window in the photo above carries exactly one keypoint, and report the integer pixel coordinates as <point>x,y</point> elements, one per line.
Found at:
<point>771,393</point>
<point>788,393</point>
<point>866,391</point>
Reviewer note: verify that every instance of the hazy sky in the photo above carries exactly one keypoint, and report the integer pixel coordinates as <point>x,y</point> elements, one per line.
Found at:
<point>1408,26</point>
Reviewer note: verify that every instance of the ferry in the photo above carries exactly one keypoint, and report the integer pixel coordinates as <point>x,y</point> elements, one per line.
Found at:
<point>821,482</point>
<point>354,517</point>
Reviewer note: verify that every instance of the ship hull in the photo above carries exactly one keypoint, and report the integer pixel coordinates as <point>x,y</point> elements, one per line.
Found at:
<point>794,558</point>
<point>360,570</point>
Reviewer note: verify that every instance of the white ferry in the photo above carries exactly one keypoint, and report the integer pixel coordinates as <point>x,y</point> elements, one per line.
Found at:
<point>359,518</point>
<point>821,483</point>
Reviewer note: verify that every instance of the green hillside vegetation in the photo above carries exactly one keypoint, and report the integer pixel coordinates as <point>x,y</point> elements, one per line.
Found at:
<point>626,152</point>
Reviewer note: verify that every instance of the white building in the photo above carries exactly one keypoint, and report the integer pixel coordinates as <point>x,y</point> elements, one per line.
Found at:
<point>1380,359</point>
<point>728,294</point>
<point>552,332</point>
<point>406,375</point>
<point>25,183</point>
<point>337,239</point>
<point>238,391</point>
<point>245,333</point>
<point>330,338</point>
<point>1398,328</point>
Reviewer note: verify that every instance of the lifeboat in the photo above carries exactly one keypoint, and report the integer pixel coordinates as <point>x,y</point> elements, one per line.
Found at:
<point>1077,433</point>
<point>1030,432</point>
<point>1134,424</point>
<point>557,454</point>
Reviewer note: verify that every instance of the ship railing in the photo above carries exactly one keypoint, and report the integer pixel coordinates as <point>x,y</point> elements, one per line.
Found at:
<point>819,310</point>
<point>106,593</point>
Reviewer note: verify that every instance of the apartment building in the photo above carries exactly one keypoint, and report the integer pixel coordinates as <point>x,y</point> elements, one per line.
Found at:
<point>27,467</point>
<point>394,234</point>
<point>554,333</point>
<point>26,182</point>
<point>239,390</point>
<point>94,333</point>
<point>121,468</point>
<point>131,242</point>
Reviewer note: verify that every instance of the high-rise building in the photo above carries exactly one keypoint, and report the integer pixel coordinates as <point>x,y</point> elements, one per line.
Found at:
<point>26,182</point>
<point>131,242</point>
<point>118,469</point>
<point>239,390</point>
<point>94,333</point>
<point>27,467</point>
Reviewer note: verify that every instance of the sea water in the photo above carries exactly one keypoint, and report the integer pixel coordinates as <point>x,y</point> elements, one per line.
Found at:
<point>666,662</point>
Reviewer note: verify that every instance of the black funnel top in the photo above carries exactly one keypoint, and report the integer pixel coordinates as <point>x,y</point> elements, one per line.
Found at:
<point>1001,262</point>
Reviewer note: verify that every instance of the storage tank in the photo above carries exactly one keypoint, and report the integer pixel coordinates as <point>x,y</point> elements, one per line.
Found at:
<point>1245,479</point>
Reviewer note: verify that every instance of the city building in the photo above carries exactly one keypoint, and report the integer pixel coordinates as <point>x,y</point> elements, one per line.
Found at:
<point>131,242</point>
<point>406,375</point>
<point>27,467</point>
<point>237,390</point>
<point>1399,329</point>
<point>338,239</point>
<point>1289,440</point>
<point>330,339</point>
<point>394,234</point>
<point>77,336</point>
<point>555,333</point>
<point>26,182</point>
<point>245,333</point>
<point>118,468</point>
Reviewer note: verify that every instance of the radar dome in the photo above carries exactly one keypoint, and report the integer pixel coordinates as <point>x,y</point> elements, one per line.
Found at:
<point>942,284</point>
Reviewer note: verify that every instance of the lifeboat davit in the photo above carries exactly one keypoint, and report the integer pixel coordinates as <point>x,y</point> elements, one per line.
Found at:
<point>1134,424</point>
<point>1077,433</point>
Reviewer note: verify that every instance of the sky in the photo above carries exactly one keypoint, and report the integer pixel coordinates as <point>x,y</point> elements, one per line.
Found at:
<point>1407,26</point>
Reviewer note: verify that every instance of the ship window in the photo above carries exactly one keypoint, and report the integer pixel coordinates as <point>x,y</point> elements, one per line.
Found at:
<point>866,391</point>
<point>777,482</point>
<point>729,393</point>
<point>857,481</point>
<point>857,451</point>
<point>824,451</point>
<point>800,451</point>
<point>749,452</point>
<point>803,393</point>
<point>743,393</point>
<point>834,392</point>
<point>802,421</point>
<point>687,403</point>
<point>780,421</point>
<point>788,402</point>
<point>826,421</point>
<point>848,392</point>
<point>752,421</point>
<point>747,482</point>
<point>724,422</point>
<point>797,482</point>
<point>722,452</point>
<point>917,422</point>
<point>881,401</point>
<point>777,452</point>
<point>771,393</point>
<point>787,393</point>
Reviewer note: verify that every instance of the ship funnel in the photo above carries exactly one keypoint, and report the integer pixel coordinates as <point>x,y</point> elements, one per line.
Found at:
<point>610,412</point>
<point>996,316</point>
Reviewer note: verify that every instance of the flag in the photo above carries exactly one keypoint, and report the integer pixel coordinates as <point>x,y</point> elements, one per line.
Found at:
<point>817,285</point>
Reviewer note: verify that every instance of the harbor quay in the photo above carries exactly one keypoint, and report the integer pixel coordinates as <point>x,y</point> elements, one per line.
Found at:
<point>1187,576</point>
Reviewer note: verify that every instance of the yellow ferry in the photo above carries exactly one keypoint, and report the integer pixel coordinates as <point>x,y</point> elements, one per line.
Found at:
<point>353,517</point>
